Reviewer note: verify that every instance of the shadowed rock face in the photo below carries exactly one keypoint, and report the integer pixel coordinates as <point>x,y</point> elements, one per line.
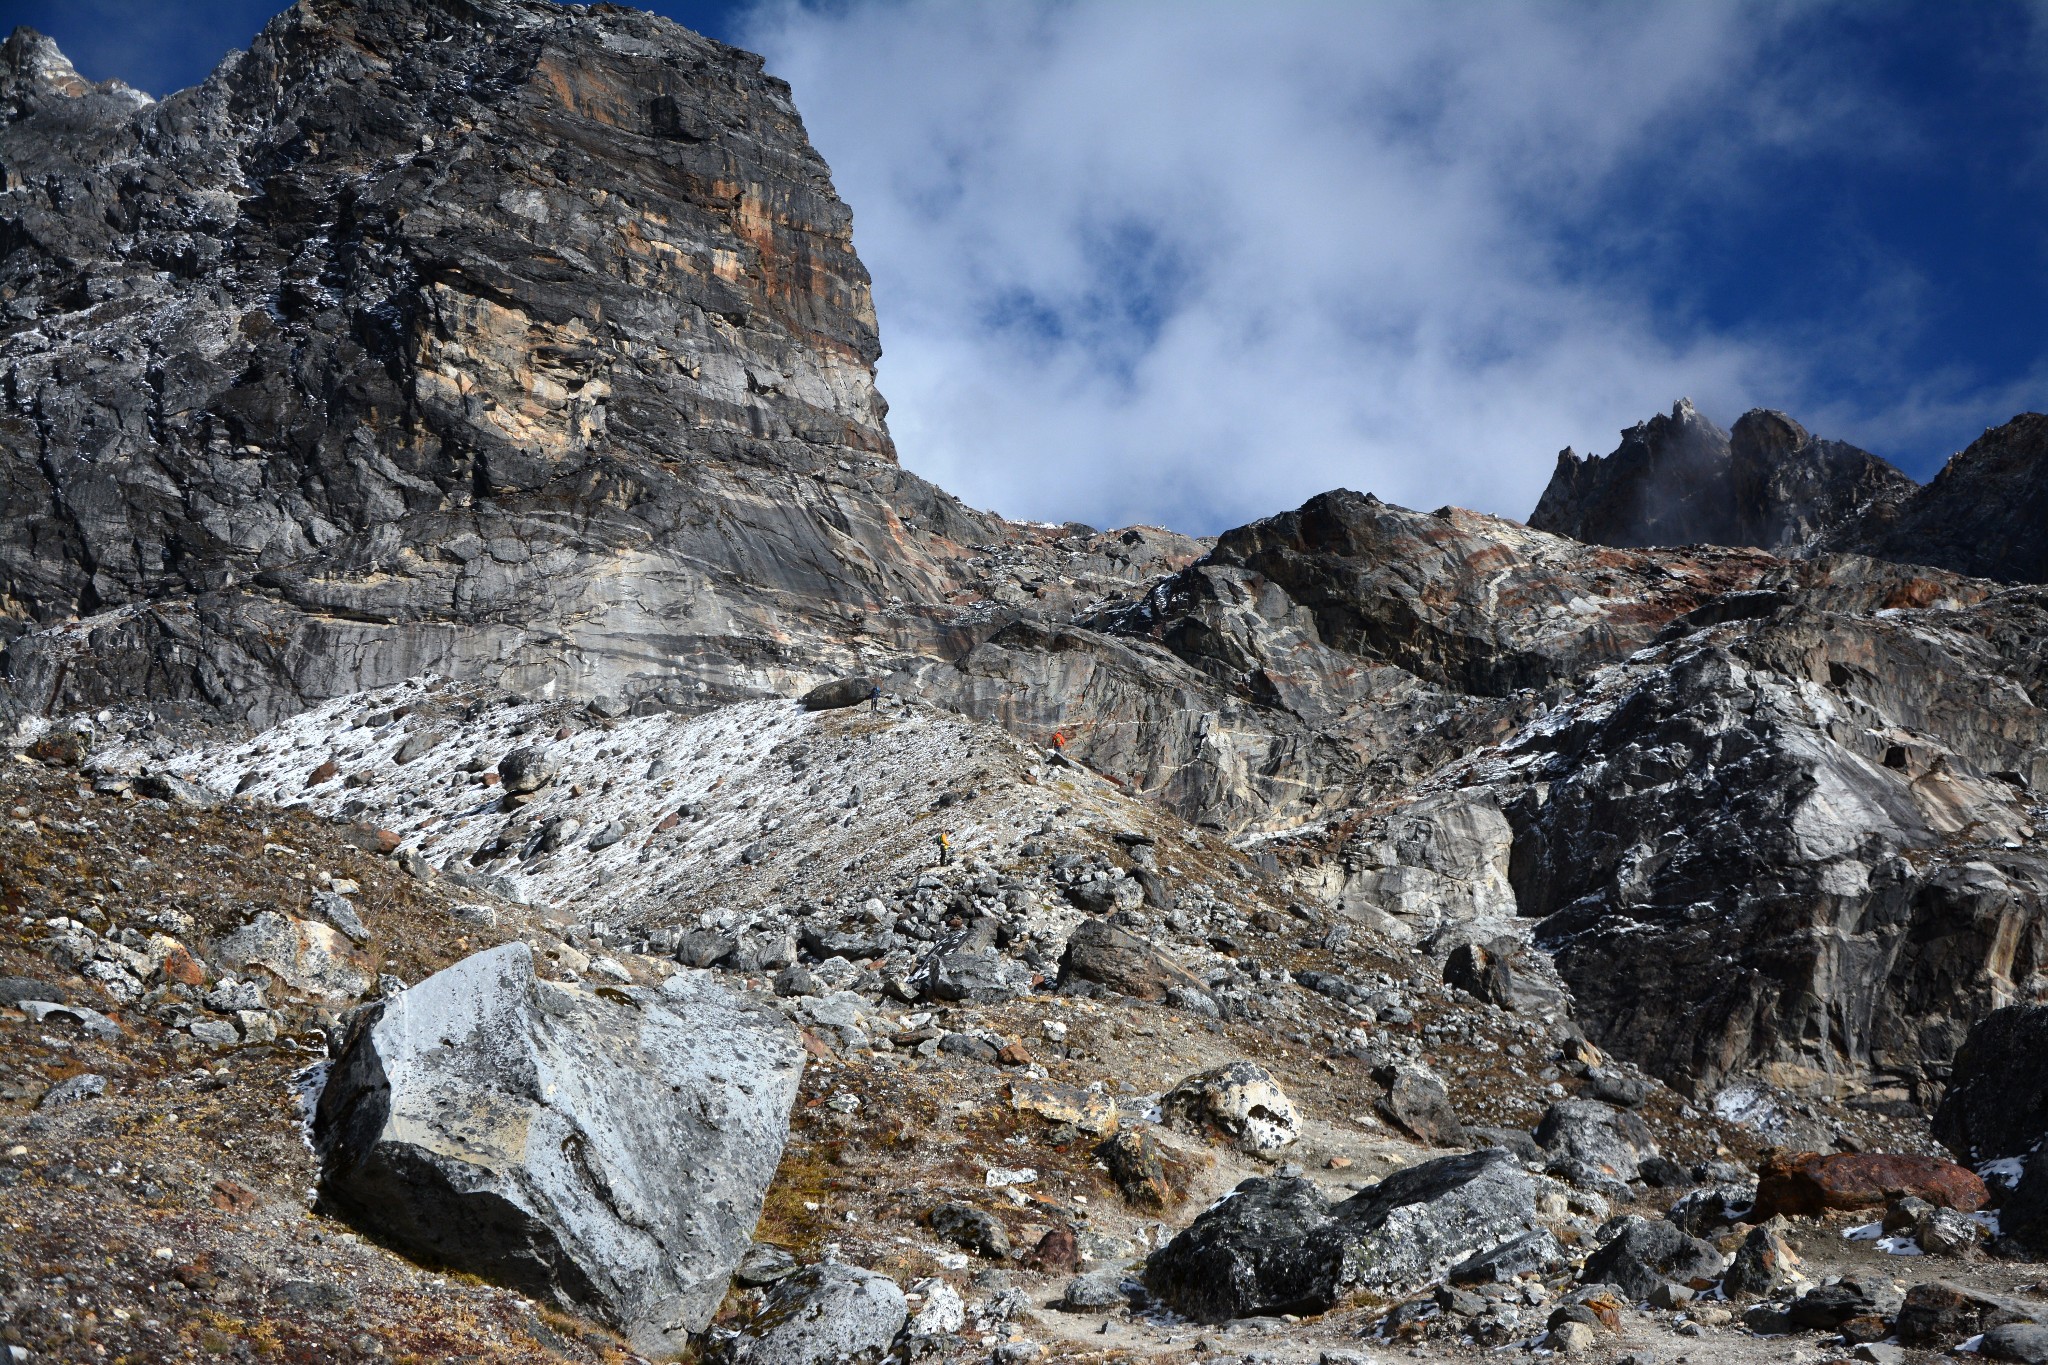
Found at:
<point>491,338</point>
<point>1815,827</point>
<point>1667,483</point>
<point>1985,513</point>
<point>1681,480</point>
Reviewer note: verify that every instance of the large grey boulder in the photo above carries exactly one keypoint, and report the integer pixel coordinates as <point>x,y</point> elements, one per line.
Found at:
<point>1110,957</point>
<point>1610,1141</point>
<point>839,693</point>
<point>821,1316</point>
<point>606,1150</point>
<point>527,769</point>
<point>1277,1246</point>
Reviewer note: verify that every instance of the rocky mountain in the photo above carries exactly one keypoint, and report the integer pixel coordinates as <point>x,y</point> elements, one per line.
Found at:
<point>1983,514</point>
<point>502,341</point>
<point>1681,480</point>
<point>509,776</point>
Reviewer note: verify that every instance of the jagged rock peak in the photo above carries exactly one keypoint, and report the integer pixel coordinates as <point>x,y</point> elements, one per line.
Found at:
<point>1771,483</point>
<point>1665,484</point>
<point>1681,480</point>
<point>33,72</point>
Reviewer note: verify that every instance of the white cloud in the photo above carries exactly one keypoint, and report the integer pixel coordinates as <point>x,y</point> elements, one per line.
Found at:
<point>1190,264</point>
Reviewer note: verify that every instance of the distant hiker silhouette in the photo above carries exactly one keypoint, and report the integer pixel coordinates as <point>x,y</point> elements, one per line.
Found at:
<point>945,849</point>
<point>874,699</point>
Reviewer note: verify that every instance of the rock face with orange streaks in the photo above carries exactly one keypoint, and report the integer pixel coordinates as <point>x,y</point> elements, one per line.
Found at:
<point>505,340</point>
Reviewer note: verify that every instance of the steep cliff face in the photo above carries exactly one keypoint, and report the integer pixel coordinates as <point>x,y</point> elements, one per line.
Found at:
<point>494,338</point>
<point>1818,827</point>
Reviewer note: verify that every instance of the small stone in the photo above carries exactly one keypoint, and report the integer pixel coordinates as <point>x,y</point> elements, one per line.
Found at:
<point>1243,1100</point>
<point>971,1229</point>
<point>1571,1338</point>
<point>1944,1232</point>
<point>257,1026</point>
<point>527,769</point>
<point>334,907</point>
<point>942,1313</point>
<point>1089,1111</point>
<point>90,1020</point>
<point>75,1090</point>
<point>415,745</point>
<point>1138,1165</point>
<point>1097,1290</point>
<point>762,1265</point>
<point>215,1032</point>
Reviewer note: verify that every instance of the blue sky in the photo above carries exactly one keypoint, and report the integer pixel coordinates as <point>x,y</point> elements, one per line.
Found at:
<point>1190,263</point>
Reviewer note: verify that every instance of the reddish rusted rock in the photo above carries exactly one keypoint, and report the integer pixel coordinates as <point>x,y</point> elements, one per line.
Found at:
<point>1808,1183</point>
<point>1056,1251</point>
<point>371,839</point>
<point>326,772</point>
<point>180,967</point>
<point>233,1197</point>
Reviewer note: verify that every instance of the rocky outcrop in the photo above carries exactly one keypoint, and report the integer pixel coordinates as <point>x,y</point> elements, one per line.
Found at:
<point>605,1149</point>
<point>1985,513</point>
<point>1321,658</point>
<point>1813,826</point>
<point>1666,484</point>
<point>1768,482</point>
<point>1681,480</point>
